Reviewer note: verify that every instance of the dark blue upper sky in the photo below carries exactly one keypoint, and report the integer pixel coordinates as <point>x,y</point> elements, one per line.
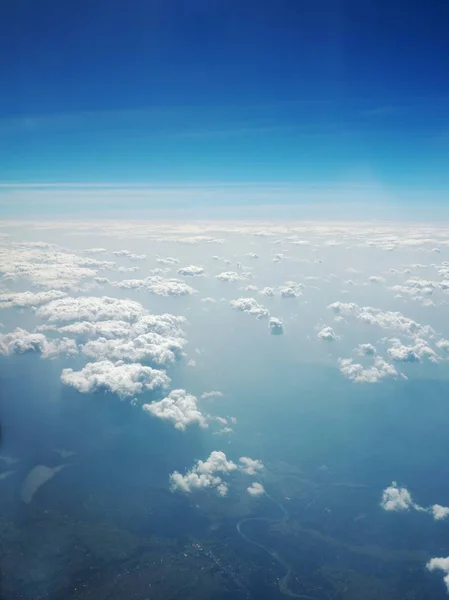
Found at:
<point>225,90</point>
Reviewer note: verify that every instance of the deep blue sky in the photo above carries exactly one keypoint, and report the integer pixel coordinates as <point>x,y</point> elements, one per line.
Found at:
<point>225,90</point>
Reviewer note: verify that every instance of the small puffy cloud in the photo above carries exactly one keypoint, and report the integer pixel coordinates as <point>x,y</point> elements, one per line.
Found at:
<point>395,498</point>
<point>252,255</point>
<point>288,292</point>
<point>21,341</point>
<point>95,250</point>
<point>229,276</point>
<point>267,291</point>
<point>209,474</point>
<point>365,350</point>
<point>130,255</point>
<point>180,408</point>
<point>255,489</point>
<point>158,286</point>
<point>275,326</point>
<point>123,379</point>
<point>440,564</point>
<point>250,466</point>
<point>212,394</point>
<point>443,345</point>
<point>413,353</point>
<point>169,260</point>
<point>439,512</point>
<point>251,307</point>
<point>29,299</point>
<point>376,279</point>
<point>191,271</point>
<point>90,308</point>
<point>327,334</point>
<point>381,369</point>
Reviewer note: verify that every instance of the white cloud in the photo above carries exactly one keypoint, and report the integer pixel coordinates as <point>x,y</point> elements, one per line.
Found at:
<point>90,308</point>
<point>365,350</point>
<point>250,466</point>
<point>191,271</point>
<point>21,341</point>
<point>252,255</point>
<point>255,489</point>
<point>267,291</point>
<point>275,326</point>
<point>124,379</point>
<point>372,374</point>
<point>95,250</point>
<point>130,255</point>
<point>441,564</point>
<point>203,475</point>
<point>414,353</point>
<point>251,307</point>
<point>328,334</point>
<point>288,292</point>
<point>169,260</point>
<point>180,408</point>
<point>157,285</point>
<point>29,299</point>
<point>212,394</point>
<point>229,276</point>
<point>395,498</point>
<point>439,512</point>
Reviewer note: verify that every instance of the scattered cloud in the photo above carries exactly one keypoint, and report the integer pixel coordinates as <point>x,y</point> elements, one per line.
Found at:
<point>180,408</point>
<point>191,271</point>
<point>229,276</point>
<point>440,564</point>
<point>251,307</point>
<point>21,341</point>
<point>255,489</point>
<point>327,334</point>
<point>379,370</point>
<point>276,326</point>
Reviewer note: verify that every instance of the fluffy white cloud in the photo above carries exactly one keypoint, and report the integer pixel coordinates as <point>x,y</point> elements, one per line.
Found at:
<point>180,408</point>
<point>383,319</point>
<point>124,379</point>
<point>327,334</point>
<point>365,350</point>
<point>267,291</point>
<point>414,353</point>
<point>90,308</point>
<point>169,260</point>
<point>230,276</point>
<point>252,255</point>
<point>275,326</point>
<point>21,341</point>
<point>95,250</point>
<point>395,498</point>
<point>441,564</point>
<point>157,285</point>
<point>191,271</point>
<point>439,512</point>
<point>204,475</point>
<point>288,292</point>
<point>212,394</point>
<point>250,466</point>
<point>29,299</point>
<point>256,489</point>
<point>130,255</point>
<point>372,374</point>
<point>251,307</point>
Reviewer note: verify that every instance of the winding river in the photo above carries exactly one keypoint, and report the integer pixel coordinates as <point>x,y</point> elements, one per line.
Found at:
<point>284,581</point>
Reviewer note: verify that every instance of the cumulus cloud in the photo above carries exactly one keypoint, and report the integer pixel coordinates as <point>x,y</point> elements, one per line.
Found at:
<point>123,379</point>
<point>130,255</point>
<point>251,307</point>
<point>252,255</point>
<point>327,334</point>
<point>21,341</point>
<point>204,474</point>
<point>395,498</point>
<point>90,308</point>
<point>381,369</point>
<point>365,350</point>
<point>212,394</point>
<point>255,489</point>
<point>191,271</point>
<point>275,326</point>
<point>383,319</point>
<point>250,466</point>
<point>439,512</point>
<point>29,299</point>
<point>440,564</point>
<point>157,285</point>
<point>288,292</point>
<point>180,408</point>
<point>230,276</point>
<point>267,291</point>
<point>169,260</point>
<point>95,250</point>
<point>413,353</point>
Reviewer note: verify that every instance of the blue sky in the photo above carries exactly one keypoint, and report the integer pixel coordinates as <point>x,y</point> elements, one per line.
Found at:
<point>304,92</point>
